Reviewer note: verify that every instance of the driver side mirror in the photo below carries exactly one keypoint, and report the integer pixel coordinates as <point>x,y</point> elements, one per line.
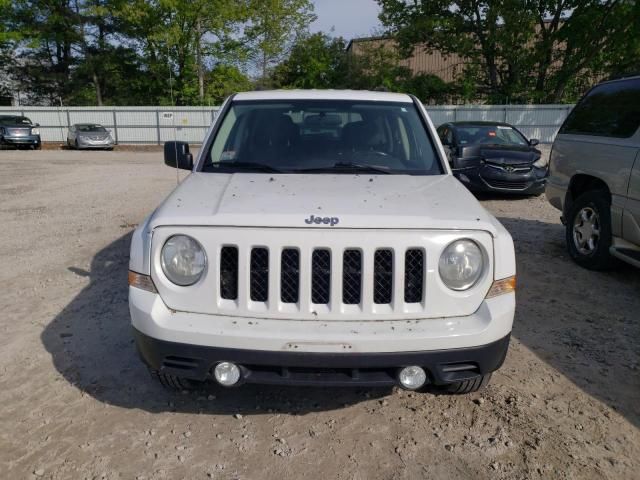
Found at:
<point>176,155</point>
<point>533,142</point>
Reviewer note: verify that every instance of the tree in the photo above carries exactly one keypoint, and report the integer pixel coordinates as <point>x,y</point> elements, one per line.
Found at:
<point>274,27</point>
<point>540,50</point>
<point>223,80</point>
<point>315,61</point>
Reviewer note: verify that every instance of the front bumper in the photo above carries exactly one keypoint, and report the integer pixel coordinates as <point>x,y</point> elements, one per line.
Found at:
<point>197,341</point>
<point>20,140</point>
<point>485,178</point>
<point>314,368</point>
<point>98,144</point>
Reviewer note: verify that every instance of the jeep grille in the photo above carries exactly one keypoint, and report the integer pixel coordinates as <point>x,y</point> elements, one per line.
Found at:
<point>353,283</point>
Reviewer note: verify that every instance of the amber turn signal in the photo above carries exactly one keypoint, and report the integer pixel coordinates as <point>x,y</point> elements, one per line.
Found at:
<point>502,286</point>
<point>142,282</point>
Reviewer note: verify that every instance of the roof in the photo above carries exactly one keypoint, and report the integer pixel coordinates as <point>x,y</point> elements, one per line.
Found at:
<point>479,122</point>
<point>366,39</point>
<point>357,95</point>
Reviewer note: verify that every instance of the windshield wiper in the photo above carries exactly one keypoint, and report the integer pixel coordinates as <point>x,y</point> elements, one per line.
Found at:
<point>347,167</point>
<point>241,166</point>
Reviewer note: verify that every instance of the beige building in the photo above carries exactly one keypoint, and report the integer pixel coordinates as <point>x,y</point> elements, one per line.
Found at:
<point>447,67</point>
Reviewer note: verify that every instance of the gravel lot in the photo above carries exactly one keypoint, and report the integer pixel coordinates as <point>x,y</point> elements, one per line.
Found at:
<point>76,403</point>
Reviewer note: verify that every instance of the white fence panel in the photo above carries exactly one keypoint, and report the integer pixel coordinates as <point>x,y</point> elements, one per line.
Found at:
<point>158,124</point>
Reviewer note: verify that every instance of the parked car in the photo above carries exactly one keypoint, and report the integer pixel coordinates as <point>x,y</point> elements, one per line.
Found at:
<point>321,239</point>
<point>89,135</point>
<point>494,157</point>
<point>595,175</point>
<point>19,131</point>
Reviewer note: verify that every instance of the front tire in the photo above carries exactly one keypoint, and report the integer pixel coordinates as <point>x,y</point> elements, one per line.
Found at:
<point>588,231</point>
<point>173,382</point>
<point>468,386</point>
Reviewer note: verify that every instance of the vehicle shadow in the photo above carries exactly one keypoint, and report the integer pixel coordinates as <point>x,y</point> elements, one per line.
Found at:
<point>580,322</point>
<point>91,345</point>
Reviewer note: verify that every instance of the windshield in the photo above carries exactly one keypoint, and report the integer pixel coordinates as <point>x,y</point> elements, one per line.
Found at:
<point>91,128</point>
<point>14,121</point>
<point>489,134</point>
<point>314,136</point>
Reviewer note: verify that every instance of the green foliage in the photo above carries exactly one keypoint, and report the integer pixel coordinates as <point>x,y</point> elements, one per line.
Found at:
<point>316,61</point>
<point>320,61</point>
<point>140,52</point>
<point>540,51</point>
<point>274,26</point>
<point>223,80</point>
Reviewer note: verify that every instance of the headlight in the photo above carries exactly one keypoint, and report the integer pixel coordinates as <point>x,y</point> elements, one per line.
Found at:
<point>183,260</point>
<point>461,264</point>
<point>35,131</point>
<point>541,162</point>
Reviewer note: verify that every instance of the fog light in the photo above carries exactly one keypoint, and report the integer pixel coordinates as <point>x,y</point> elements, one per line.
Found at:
<point>227,373</point>
<point>412,377</point>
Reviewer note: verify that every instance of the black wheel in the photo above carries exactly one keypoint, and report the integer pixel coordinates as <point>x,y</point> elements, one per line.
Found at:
<point>37,147</point>
<point>172,382</point>
<point>468,386</point>
<point>588,231</point>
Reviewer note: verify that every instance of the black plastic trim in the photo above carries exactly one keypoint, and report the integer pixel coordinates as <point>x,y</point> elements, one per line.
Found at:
<point>311,368</point>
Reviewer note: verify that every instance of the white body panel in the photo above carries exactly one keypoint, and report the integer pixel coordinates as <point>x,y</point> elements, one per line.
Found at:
<point>492,321</point>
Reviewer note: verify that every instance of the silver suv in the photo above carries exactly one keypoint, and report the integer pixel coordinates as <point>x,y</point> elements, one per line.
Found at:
<point>595,175</point>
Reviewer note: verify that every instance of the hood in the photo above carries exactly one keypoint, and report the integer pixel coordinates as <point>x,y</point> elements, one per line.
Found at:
<point>323,201</point>
<point>503,154</point>
<point>17,126</point>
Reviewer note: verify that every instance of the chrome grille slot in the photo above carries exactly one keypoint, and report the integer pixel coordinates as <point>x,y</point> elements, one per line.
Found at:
<point>229,273</point>
<point>259,274</point>
<point>382,276</point>
<point>351,277</point>
<point>289,275</point>
<point>413,275</point>
<point>321,276</point>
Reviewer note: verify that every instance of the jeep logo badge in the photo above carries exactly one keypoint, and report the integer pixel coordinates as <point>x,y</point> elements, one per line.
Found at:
<point>322,220</point>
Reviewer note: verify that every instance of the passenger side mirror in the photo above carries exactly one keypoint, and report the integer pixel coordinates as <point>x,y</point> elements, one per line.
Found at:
<point>533,142</point>
<point>176,155</point>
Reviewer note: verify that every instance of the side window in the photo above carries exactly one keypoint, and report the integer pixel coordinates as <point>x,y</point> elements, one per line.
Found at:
<point>608,110</point>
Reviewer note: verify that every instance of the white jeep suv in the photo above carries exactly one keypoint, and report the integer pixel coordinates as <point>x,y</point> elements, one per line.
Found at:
<point>321,239</point>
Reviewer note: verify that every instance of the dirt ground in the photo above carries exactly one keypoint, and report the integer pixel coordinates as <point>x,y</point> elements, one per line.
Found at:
<point>76,403</point>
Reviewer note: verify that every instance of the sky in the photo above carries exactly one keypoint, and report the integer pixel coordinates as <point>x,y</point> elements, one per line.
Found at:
<point>350,18</point>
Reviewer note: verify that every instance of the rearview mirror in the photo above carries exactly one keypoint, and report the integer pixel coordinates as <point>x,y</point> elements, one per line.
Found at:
<point>176,155</point>
<point>533,142</point>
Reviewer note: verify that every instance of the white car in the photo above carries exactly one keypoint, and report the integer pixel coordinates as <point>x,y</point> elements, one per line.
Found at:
<point>321,239</point>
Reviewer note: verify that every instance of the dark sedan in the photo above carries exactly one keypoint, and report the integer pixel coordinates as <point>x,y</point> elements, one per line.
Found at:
<point>494,157</point>
<point>19,131</point>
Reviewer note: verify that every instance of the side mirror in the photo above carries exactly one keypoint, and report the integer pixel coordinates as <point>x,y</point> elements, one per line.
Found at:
<point>176,155</point>
<point>533,142</point>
